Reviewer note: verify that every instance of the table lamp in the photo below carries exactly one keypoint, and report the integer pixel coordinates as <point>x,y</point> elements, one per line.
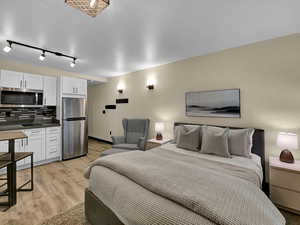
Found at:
<point>159,128</point>
<point>287,141</point>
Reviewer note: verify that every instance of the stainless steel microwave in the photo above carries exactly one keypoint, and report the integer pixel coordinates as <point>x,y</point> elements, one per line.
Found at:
<point>18,97</point>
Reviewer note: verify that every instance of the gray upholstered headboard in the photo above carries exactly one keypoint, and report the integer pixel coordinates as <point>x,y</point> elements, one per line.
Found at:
<point>258,147</point>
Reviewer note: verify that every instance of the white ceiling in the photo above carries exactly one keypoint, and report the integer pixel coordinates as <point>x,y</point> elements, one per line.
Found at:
<point>135,34</point>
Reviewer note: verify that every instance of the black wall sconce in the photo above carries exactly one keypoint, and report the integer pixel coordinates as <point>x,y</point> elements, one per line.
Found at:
<point>150,87</point>
<point>120,88</point>
<point>150,84</point>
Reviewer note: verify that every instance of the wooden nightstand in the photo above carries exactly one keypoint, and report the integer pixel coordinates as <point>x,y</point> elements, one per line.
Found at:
<point>285,184</point>
<point>153,143</point>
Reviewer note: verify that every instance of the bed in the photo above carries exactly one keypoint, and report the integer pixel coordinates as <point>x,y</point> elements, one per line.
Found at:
<point>138,188</point>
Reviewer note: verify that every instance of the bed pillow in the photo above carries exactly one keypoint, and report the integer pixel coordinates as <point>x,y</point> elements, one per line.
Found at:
<point>215,142</point>
<point>239,140</point>
<point>189,138</point>
<point>187,127</point>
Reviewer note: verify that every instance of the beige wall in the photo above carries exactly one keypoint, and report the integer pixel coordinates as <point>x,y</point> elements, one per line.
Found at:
<point>268,74</point>
<point>27,68</point>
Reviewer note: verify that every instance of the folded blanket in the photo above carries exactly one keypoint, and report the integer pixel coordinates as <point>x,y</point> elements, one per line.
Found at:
<point>222,193</point>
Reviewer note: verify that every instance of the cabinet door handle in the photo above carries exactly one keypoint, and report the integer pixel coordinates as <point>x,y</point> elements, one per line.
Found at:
<point>25,84</point>
<point>53,150</point>
<point>21,84</point>
<point>22,142</point>
<point>45,101</point>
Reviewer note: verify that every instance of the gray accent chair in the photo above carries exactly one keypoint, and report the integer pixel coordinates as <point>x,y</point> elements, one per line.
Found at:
<point>135,137</point>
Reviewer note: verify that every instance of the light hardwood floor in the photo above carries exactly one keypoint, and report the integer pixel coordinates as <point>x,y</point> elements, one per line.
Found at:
<point>58,187</point>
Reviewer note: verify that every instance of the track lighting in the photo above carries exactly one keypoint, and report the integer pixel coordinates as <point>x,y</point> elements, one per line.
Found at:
<point>73,63</point>
<point>7,48</point>
<point>42,56</point>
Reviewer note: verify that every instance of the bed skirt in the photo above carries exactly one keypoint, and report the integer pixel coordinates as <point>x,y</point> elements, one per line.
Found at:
<point>97,213</point>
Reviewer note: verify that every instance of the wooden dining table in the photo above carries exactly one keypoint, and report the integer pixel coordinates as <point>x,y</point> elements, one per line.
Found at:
<point>8,160</point>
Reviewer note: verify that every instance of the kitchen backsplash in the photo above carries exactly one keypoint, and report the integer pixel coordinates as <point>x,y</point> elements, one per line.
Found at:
<point>18,115</point>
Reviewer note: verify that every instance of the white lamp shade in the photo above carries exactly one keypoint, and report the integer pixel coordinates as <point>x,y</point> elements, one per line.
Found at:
<point>287,141</point>
<point>159,127</point>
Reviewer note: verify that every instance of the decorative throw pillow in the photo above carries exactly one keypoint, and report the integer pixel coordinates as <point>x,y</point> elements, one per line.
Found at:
<point>189,138</point>
<point>215,143</point>
<point>187,127</point>
<point>240,142</point>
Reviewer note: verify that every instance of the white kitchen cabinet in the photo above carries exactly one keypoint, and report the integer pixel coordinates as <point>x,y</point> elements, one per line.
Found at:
<point>20,147</point>
<point>74,86</point>
<point>35,144</point>
<point>83,88</point>
<point>11,79</point>
<point>33,81</point>
<point>50,90</point>
<point>3,146</point>
<point>53,146</point>
<point>45,143</point>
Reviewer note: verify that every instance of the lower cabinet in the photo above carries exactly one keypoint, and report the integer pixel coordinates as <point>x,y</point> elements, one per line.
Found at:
<point>35,144</point>
<point>52,143</point>
<point>43,142</point>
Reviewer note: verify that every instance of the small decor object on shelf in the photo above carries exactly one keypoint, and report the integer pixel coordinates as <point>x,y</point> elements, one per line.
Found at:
<point>287,141</point>
<point>159,128</point>
<point>90,7</point>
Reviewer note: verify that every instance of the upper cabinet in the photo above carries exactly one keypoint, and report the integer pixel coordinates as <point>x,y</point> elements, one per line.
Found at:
<point>12,79</point>
<point>33,81</point>
<point>74,86</point>
<point>50,91</point>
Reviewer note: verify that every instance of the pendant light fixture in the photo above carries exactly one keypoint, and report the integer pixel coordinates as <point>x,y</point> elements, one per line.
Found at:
<point>89,7</point>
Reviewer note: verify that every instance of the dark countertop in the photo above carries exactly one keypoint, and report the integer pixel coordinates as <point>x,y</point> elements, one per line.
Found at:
<point>29,126</point>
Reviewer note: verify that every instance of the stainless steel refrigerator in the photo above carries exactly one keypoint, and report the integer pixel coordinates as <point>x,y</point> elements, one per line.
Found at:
<point>74,121</point>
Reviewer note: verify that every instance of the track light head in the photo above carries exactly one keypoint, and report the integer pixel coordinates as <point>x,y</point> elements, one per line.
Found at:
<point>7,48</point>
<point>42,56</point>
<point>73,63</point>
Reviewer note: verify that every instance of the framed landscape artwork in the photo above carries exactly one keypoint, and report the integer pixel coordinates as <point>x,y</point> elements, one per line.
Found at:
<point>219,103</point>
